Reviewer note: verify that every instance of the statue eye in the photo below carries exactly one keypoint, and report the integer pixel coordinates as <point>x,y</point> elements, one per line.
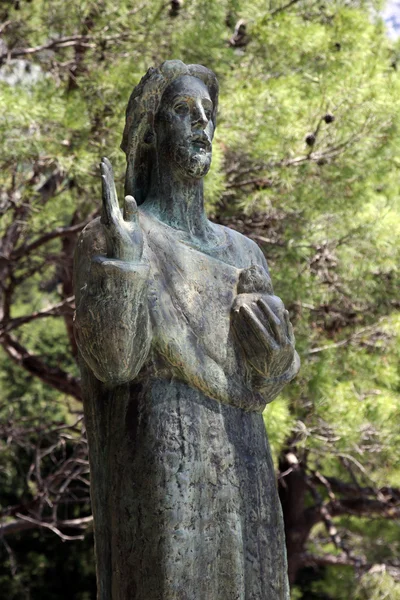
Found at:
<point>181,108</point>
<point>208,113</point>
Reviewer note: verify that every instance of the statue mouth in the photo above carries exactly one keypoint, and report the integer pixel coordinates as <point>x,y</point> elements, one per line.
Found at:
<point>201,142</point>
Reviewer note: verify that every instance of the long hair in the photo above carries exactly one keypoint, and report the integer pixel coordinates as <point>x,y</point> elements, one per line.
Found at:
<point>138,140</point>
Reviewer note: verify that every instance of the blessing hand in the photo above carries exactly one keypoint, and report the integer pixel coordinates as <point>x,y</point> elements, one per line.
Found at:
<point>122,229</point>
<point>261,324</point>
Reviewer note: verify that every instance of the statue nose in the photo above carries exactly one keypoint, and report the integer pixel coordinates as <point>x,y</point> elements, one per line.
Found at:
<point>199,115</point>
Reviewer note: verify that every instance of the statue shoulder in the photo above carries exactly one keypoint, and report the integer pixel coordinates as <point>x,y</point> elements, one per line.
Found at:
<point>247,250</point>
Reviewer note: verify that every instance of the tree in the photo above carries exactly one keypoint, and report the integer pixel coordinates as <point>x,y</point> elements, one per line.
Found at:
<point>305,162</point>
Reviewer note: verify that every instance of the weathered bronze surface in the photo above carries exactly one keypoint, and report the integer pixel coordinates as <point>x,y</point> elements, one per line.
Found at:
<point>182,344</point>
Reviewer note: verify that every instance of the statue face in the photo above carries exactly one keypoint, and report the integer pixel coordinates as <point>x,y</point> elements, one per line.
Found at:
<point>184,128</point>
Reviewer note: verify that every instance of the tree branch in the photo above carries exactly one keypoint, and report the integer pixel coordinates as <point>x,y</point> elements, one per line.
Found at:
<point>57,378</point>
<point>284,7</point>
<point>24,523</point>
<point>15,526</point>
<point>47,237</point>
<point>368,507</point>
<point>83,41</point>
<point>53,311</point>
<point>351,489</point>
<point>357,562</point>
<point>63,42</point>
<point>353,338</point>
<point>260,183</point>
<point>312,560</point>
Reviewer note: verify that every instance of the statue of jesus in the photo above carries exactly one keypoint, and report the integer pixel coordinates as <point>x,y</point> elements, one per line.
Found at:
<point>182,344</point>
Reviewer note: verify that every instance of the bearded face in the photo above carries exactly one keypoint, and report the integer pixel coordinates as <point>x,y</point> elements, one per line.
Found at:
<point>184,129</point>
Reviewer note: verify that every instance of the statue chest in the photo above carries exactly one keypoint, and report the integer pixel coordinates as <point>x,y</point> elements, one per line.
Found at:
<point>190,298</point>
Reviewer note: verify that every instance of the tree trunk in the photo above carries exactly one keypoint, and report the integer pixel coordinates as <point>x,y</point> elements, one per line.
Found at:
<point>298,519</point>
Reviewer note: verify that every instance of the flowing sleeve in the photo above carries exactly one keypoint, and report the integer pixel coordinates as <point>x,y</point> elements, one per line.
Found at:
<point>112,324</point>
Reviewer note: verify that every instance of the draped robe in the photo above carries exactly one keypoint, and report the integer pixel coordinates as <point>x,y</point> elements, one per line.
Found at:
<point>183,487</point>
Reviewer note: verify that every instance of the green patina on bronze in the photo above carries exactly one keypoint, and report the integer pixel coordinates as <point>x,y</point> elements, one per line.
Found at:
<point>182,344</point>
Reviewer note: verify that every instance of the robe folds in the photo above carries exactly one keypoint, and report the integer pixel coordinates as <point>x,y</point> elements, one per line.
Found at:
<point>183,488</point>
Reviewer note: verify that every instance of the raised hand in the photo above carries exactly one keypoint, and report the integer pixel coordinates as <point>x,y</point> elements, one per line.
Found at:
<point>265,333</point>
<point>122,230</point>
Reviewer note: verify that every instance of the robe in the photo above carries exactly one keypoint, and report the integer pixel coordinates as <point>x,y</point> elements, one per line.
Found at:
<point>183,487</point>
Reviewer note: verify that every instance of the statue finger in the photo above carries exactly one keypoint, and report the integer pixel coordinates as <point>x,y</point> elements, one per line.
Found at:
<point>273,321</point>
<point>257,327</point>
<point>242,332</point>
<point>108,172</point>
<point>108,163</point>
<point>106,217</point>
<point>254,350</point>
<point>131,213</point>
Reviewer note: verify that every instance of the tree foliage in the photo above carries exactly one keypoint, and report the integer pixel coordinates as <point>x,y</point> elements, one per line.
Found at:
<point>306,162</point>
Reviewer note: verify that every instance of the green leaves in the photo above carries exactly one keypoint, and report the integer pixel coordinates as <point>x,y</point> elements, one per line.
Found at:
<point>326,213</point>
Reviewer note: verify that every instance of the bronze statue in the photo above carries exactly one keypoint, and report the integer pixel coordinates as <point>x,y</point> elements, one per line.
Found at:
<point>182,344</point>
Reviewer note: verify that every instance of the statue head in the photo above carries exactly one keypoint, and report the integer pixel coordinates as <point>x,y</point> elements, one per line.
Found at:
<point>172,114</point>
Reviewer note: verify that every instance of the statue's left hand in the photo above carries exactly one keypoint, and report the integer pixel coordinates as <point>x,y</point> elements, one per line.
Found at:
<point>265,333</point>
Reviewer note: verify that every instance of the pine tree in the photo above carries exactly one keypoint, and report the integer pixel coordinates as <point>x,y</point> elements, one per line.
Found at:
<point>306,163</point>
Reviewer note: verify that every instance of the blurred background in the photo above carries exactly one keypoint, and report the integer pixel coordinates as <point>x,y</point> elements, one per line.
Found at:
<point>306,163</point>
